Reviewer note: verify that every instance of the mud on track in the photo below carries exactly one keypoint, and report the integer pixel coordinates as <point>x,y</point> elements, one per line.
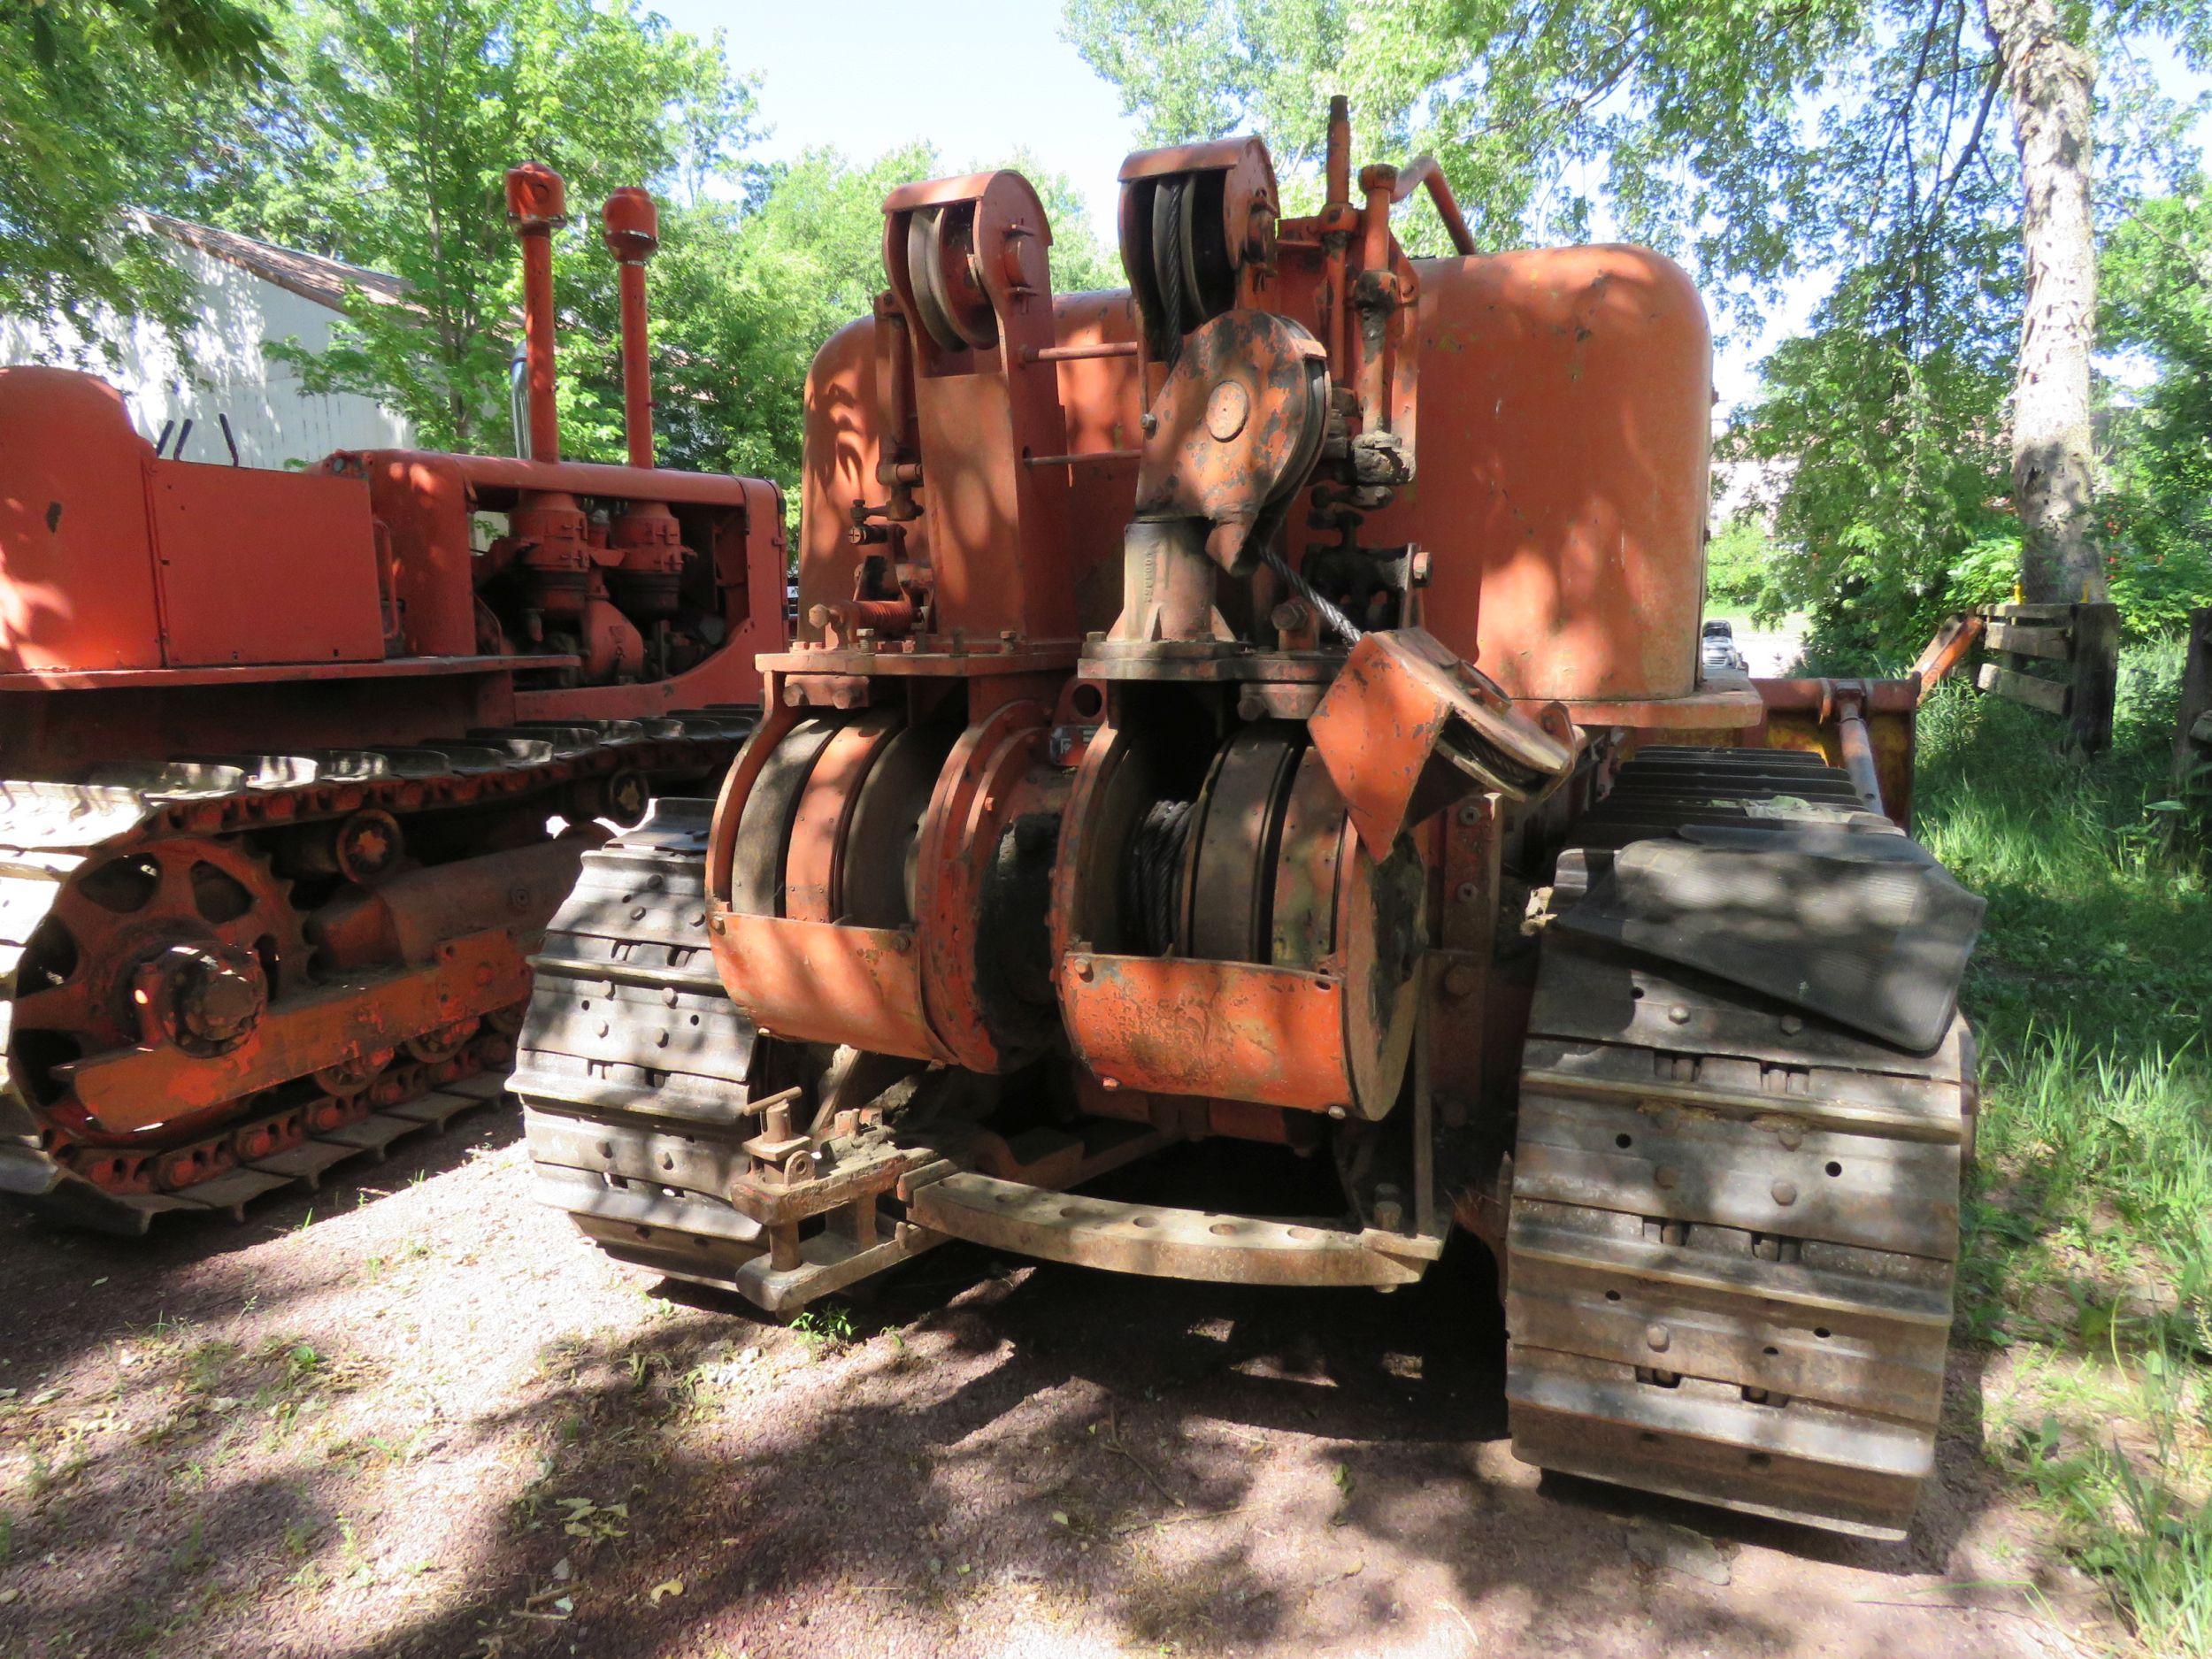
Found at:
<point>421,1417</point>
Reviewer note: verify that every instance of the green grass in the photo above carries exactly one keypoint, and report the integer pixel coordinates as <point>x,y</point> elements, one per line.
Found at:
<point>2087,1272</point>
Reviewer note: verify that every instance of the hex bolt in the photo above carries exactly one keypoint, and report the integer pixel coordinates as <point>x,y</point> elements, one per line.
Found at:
<point>1785,1192</point>
<point>1680,1014</point>
<point>1665,1177</point>
<point>1791,1136</point>
<point>1792,1025</point>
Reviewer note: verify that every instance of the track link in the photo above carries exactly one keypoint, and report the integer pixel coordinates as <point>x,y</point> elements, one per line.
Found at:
<point>1734,1226</point>
<point>52,832</point>
<point>633,1064</point>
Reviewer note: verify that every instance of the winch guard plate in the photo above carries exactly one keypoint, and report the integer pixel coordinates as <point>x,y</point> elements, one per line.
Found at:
<point>1407,729</point>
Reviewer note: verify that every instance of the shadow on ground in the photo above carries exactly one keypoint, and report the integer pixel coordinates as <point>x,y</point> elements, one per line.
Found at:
<point>986,1458</point>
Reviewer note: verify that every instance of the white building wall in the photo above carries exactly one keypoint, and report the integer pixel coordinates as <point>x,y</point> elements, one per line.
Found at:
<point>276,424</point>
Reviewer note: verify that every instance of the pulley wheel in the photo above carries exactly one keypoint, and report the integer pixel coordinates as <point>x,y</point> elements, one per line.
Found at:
<point>764,825</point>
<point>947,288</point>
<point>1209,277</point>
<point>1178,314</point>
<point>883,837</point>
<point>1231,889</point>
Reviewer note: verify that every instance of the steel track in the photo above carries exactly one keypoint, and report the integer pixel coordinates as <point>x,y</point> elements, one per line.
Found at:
<point>633,1064</point>
<point>1734,1227</point>
<point>50,833</point>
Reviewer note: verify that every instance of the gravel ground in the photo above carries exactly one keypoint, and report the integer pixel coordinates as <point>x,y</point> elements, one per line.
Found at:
<point>422,1417</point>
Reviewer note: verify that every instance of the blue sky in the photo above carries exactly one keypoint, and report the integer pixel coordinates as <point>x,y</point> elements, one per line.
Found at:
<point>981,77</point>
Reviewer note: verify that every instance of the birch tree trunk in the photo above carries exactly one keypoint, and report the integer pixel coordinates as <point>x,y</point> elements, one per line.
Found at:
<point>2049,80</point>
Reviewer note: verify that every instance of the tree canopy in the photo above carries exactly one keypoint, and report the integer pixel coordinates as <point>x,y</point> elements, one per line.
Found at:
<point>75,151</point>
<point>1865,139</point>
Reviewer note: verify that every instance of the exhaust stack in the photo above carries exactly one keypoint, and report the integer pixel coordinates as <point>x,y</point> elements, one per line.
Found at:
<point>536,207</point>
<point>630,226</point>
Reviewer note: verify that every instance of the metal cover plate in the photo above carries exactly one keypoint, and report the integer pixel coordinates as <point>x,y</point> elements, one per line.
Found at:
<point>1877,944</point>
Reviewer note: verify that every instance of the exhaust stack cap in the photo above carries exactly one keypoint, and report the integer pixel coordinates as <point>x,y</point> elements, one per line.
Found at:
<point>537,199</point>
<point>631,224</point>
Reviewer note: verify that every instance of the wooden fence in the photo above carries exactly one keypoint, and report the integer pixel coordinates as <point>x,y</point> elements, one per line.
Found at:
<point>2062,659</point>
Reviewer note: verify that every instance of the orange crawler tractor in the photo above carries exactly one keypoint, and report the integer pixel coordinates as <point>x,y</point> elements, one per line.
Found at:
<point>1135,781</point>
<point>282,751</point>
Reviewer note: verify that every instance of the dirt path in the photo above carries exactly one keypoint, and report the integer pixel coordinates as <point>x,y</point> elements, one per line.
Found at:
<point>427,1420</point>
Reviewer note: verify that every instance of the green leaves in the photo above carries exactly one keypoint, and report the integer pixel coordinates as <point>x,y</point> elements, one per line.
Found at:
<point>388,145</point>
<point>113,104</point>
<point>1881,434</point>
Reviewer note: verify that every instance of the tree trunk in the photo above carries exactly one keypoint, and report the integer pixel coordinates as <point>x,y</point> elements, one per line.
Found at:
<point>2049,80</point>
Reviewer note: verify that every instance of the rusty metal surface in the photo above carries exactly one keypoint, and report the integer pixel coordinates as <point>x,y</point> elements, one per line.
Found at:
<point>1163,1243</point>
<point>139,1088</point>
<point>819,982</point>
<point>1236,428</point>
<point>109,1126</point>
<point>1573,427</point>
<point>1587,584</point>
<point>1407,729</point>
<point>1239,1030</point>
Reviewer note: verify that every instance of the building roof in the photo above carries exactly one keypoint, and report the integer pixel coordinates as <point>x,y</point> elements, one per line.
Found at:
<point>310,275</point>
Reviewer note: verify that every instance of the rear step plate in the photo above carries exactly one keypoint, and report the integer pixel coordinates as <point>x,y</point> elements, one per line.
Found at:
<point>1164,1243</point>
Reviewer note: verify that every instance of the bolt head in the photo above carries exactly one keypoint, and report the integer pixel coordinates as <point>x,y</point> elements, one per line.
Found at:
<point>1658,1338</point>
<point>1785,1192</point>
<point>1680,1014</point>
